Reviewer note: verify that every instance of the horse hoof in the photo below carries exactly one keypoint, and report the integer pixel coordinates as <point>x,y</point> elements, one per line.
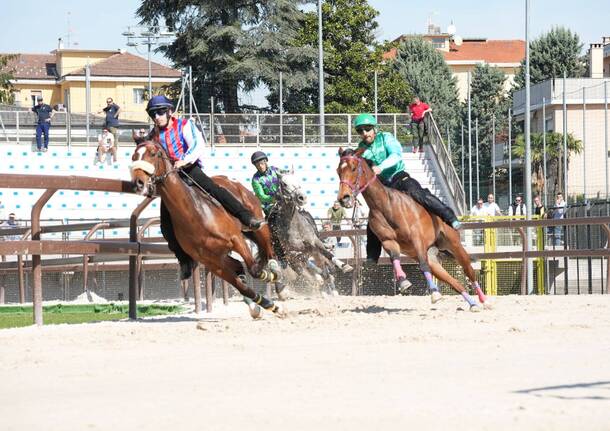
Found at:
<point>280,310</point>
<point>346,268</point>
<point>487,305</point>
<point>324,294</point>
<point>475,308</point>
<point>435,297</point>
<point>404,285</point>
<point>255,310</point>
<point>319,279</point>
<point>334,292</point>
<point>283,295</point>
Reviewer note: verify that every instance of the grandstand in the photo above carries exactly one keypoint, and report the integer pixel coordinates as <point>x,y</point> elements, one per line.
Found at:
<point>313,166</point>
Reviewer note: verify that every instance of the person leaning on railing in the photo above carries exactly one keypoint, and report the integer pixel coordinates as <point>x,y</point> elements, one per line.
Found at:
<point>419,110</point>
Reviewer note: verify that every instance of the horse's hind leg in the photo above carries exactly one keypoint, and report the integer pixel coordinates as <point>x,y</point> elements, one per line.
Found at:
<point>453,244</point>
<point>232,271</point>
<point>440,273</point>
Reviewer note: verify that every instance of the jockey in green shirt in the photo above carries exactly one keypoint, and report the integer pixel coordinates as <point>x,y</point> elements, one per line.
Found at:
<point>266,180</point>
<point>385,153</point>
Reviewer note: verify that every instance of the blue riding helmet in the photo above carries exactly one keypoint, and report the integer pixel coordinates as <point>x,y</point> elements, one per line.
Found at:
<point>158,102</point>
<point>257,156</point>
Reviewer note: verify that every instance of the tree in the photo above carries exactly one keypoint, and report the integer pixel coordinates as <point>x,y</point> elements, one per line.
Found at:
<point>489,103</point>
<point>231,45</point>
<point>351,56</point>
<point>554,156</point>
<point>551,54</point>
<point>6,75</point>
<point>425,71</point>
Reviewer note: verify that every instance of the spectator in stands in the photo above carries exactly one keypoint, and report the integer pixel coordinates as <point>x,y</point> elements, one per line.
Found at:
<point>2,212</point>
<point>336,214</point>
<point>491,207</point>
<point>106,144</point>
<point>8,224</point>
<point>517,208</point>
<point>418,111</point>
<point>559,212</point>
<point>45,113</point>
<point>112,111</point>
<point>478,211</point>
<point>539,209</point>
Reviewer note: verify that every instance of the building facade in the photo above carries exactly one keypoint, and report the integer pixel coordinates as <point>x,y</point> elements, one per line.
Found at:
<point>462,55</point>
<point>61,79</point>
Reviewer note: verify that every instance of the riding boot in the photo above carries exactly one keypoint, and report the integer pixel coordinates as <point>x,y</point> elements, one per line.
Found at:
<point>226,199</point>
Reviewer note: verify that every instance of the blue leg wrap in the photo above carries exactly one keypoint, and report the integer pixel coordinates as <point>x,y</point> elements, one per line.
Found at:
<point>433,287</point>
<point>468,299</point>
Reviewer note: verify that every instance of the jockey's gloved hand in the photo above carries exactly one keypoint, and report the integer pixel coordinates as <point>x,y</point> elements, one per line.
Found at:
<point>284,171</point>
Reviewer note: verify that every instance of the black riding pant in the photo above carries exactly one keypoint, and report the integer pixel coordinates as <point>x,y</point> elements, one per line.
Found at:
<point>226,199</point>
<point>402,181</point>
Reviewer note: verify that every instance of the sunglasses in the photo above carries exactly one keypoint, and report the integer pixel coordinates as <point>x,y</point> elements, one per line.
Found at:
<point>108,101</point>
<point>158,112</point>
<point>367,128</point>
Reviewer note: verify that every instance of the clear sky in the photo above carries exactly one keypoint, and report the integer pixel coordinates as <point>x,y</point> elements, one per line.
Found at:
<point>33,26</point>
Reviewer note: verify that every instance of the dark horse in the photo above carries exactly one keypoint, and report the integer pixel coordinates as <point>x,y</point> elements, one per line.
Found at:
<point>402,225</point>
<point>203,228</point>
<point>295,235</point>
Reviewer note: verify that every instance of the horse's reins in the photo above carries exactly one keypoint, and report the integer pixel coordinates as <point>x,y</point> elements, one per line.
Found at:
<point>354,186</point>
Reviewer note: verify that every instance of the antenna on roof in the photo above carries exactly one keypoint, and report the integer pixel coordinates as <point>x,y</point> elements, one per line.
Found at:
<point>455,38</point>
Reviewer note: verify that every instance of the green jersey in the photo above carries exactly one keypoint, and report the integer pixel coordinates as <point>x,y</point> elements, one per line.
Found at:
<point>386,153</point>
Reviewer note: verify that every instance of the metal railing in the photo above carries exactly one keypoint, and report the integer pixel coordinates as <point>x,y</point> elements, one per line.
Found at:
<point>447,169</point>
<point>229,129</point>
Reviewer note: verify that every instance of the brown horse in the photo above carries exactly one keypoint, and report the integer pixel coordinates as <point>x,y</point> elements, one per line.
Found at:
<point>203,228</point>
<point>402,225</point>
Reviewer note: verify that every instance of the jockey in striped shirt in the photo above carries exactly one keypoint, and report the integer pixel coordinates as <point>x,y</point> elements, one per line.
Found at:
<point>184,145</point>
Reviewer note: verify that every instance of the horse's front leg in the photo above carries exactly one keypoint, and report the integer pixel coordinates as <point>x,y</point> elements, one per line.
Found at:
<point>393,249</point>
<point>319,245</point>
<point>254,268</point>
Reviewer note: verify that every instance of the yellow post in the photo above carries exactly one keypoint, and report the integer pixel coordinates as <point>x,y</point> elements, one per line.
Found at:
<point>540,260</point>
<point>491,272</point>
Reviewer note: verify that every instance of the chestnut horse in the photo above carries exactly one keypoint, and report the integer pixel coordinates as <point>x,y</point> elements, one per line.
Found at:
<point>203,228</point>
<point>403,225</point>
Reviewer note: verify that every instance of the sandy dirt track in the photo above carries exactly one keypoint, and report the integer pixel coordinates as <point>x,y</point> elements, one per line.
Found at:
<point>364,363</point>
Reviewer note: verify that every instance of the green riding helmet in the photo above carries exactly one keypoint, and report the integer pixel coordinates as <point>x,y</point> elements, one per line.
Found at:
<point>365,120</point>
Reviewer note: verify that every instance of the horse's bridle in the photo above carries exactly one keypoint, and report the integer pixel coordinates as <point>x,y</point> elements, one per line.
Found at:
<point>161,156</point>
<point>354,186</point>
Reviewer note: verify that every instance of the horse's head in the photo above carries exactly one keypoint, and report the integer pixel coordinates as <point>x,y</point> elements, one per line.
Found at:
<point>150,165</point>
<point>290,190</point>
<point>352,180</point>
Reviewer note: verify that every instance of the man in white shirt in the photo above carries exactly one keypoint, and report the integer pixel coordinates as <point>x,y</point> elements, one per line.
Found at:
<point>478,209</point>
<point>517,208</point>
<point>105,145</point>
<point>491,207</point>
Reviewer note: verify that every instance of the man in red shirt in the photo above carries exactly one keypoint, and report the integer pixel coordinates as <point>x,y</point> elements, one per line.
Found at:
<point>418,112</point>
